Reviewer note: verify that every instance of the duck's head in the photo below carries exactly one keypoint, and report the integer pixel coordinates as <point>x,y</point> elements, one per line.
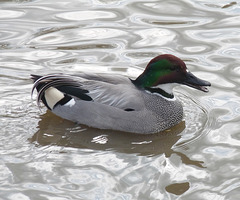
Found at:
<point>165,71</point>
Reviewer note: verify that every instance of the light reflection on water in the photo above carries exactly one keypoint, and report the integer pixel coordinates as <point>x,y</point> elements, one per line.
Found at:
<point>45,157</point>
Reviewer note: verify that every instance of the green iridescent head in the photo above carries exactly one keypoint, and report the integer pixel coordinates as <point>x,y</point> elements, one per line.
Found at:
<point>166,69</point>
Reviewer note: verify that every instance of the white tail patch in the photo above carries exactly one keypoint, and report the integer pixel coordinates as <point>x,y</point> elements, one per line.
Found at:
<point>52,96</point>
<point>70,103</point>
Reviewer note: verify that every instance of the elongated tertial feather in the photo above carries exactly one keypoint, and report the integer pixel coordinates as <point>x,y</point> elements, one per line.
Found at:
<point>53,80</point>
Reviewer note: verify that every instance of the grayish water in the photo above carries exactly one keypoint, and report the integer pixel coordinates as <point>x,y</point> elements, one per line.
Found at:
<point>45,157</point>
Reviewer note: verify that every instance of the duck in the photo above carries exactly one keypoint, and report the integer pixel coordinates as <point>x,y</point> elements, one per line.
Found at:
<point>144,105</point>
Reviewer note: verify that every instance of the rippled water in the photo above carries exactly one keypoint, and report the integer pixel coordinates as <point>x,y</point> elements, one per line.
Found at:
<point>45,157</point>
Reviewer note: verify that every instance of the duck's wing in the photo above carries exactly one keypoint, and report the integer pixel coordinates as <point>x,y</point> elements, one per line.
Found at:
<point>115,91</point>
<point>107,78</point>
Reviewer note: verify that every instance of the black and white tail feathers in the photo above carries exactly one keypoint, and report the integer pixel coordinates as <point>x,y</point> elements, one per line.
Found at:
<point>57,89</point>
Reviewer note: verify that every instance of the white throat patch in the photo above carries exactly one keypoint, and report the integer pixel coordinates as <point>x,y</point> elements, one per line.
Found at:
<point>168,87</point>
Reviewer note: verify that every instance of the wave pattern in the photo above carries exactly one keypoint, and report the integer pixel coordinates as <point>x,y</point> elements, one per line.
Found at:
<point>45,157</point>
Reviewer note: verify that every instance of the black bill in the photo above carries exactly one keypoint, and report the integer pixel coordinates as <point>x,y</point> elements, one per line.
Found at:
<point>195,82</point>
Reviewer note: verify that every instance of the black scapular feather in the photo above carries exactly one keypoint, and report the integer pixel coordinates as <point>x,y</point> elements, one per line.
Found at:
<point>63,83</point>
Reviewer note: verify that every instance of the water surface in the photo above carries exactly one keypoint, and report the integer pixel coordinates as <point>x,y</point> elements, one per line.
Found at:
<point>46,157</point>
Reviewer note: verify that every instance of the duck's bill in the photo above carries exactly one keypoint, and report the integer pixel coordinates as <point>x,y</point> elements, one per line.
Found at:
<point>197,83</point>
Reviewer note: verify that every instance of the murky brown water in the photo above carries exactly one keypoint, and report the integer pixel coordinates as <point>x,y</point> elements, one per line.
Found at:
<point>45,157</point>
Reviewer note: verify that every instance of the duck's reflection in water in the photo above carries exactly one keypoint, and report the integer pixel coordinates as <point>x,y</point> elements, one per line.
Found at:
<point>57,131</point>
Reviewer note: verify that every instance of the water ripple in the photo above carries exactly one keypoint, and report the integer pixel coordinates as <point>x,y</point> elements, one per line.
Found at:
<point>60,39</point>
<point>153,36</point>
<point>87,15</point>
<point>10,14</point>
<point>169,22</point>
